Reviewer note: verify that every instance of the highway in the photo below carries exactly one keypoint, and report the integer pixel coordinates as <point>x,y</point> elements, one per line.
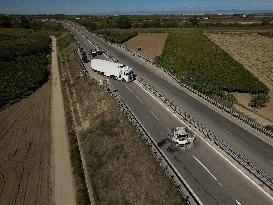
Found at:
<point>212,178</point>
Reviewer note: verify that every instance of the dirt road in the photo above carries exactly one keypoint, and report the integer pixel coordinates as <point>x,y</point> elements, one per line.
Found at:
<point>64,190</point>
<point>25,150</point>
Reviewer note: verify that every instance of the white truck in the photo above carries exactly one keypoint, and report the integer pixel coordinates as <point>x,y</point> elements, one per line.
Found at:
<point>110,69</point>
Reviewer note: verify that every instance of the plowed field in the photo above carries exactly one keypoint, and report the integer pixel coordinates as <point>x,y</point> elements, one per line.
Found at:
<point>151,44</point>
<point>25,150</point>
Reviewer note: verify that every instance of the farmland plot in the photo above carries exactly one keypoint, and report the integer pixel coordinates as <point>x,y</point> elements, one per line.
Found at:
<point>255,53</point>
<point>25,150</point>
<point>147,44</point>
<point>197,61</point>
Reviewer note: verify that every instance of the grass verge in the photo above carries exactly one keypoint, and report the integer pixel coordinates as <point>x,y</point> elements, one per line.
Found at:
<point>65,51</point>
<point>121,167</point>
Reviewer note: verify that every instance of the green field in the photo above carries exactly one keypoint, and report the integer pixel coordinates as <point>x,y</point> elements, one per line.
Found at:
<point>23,63</point>
<point>13,33</point>
<point>197,61</point>
<point>116,35</point>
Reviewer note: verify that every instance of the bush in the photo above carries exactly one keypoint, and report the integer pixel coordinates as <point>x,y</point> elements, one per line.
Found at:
<point>259,101</point>
<point>123,22</point>
<point>269,127</point>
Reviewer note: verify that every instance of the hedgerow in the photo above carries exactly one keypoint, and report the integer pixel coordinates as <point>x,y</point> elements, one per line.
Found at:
<point>116,35</point>
<point>197,61</point>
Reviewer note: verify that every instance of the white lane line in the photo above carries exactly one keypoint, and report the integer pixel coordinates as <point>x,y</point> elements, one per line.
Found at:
<point>237,123</point>
<point>154,115</point>
<point>134,94</point>
<point>237,202</point>
<point>138,98</point>
<point>168,129</point>
<point>129,89</point>
<point>219,153</point>
<point>205,168</point>
<point>228,132</point>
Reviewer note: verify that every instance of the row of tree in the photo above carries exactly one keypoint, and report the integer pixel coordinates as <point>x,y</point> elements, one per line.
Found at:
<point>123,22</point>
<point>21,22</point>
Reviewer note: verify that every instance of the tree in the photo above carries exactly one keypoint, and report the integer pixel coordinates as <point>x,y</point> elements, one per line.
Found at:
<point>265,22</point>
<point>24,23</point>
<point>194,21</point>
<point>5,22</point>
<point>259,101</point>
<point>123,22</point>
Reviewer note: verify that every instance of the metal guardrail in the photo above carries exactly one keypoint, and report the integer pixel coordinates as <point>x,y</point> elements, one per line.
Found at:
<point>246,163</point>
<point>232,112</point>
<point>169,169</point>
<point>236,155</point>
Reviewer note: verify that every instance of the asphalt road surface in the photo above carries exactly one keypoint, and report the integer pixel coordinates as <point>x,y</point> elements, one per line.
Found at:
<point>210,176</point>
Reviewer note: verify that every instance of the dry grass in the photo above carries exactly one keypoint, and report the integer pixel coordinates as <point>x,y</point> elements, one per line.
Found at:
<point>65,52</point>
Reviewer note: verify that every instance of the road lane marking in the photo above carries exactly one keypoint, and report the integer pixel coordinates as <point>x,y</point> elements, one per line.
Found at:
<point>205,168</point>
<point>134,94</point>
<point>237,202</point>
<point>227,160</point>
<point>228,132</point>
<point>219,153</point>
<point>154,115</point>
<point>168,129</point>
<point>138,98</point>
<point>129,89</point>
<point>229,118</point>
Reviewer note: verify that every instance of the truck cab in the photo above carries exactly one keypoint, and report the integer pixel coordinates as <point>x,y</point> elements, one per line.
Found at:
<point>127,73</point>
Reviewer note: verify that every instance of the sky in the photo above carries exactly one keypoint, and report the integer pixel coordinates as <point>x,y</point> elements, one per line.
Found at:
<point>115,6</point>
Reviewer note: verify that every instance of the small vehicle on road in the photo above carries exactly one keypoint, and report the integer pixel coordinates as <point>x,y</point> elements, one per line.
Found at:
<point>84,57</point>
<point>94,53</point>
<point>181,138</point>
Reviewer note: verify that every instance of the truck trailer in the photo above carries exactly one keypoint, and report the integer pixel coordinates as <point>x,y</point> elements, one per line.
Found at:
<point>115,70</point>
